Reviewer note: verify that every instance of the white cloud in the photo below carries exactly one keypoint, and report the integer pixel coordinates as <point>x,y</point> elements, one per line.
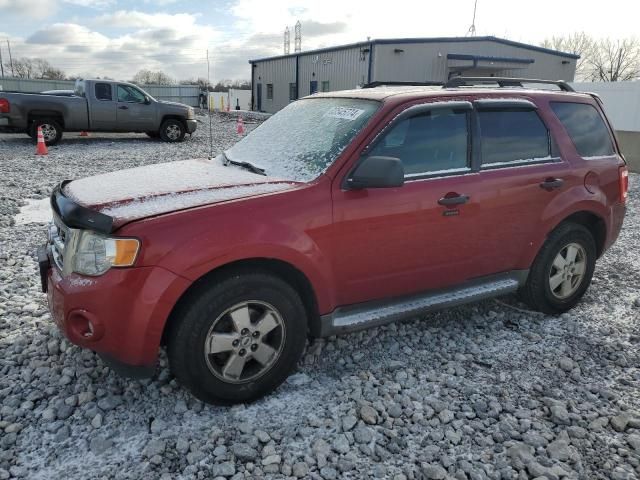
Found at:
<point>28,8</point>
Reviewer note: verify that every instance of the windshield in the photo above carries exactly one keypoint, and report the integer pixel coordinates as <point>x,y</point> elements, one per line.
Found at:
<point>302,140</point>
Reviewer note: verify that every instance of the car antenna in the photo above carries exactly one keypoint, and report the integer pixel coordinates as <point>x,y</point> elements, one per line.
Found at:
<point>209,110</point>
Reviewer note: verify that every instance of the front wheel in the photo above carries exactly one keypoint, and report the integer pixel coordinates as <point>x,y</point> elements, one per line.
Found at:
<point>238,339</point>
<point>562,271</point>
<point>172,131</point>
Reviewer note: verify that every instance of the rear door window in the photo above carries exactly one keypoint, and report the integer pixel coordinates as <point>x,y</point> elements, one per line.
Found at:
<point>103,91</point>
<point>429,142</point>
<point>512,137</point>
<point>585,127</point>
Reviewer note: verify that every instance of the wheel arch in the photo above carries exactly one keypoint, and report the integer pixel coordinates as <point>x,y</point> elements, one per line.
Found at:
<point>43,114</point>
<point>592,222</point>
<point>282,269</point>
<point>173,116</point>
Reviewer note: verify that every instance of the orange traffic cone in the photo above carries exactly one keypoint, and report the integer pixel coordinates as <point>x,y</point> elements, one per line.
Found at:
<point>84,134</point>
<point>240,126</point>
<point>41,148</point>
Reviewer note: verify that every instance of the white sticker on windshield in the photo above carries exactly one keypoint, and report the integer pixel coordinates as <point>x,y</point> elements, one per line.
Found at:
<point>345,113</point>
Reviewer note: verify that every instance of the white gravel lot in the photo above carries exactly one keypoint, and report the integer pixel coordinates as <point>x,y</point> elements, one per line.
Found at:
<point>485,391</point>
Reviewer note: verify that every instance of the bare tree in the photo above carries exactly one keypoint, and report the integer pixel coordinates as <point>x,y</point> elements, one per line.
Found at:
<point>148,77</point>
<point>603,60</point>
<point>615,60</point>
<point>36,68</point>
<point>203,83</point>
<point>579,43</point>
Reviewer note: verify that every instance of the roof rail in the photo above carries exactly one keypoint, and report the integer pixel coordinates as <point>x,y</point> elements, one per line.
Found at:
<point>505,82</point>
<point>402,84</point>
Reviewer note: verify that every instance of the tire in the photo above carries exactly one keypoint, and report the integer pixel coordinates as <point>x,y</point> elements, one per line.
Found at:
<point>152,134</point>
<point>205,322</point>
<point>52,130</point>
<point>542,291</point>
<point>172,131</point>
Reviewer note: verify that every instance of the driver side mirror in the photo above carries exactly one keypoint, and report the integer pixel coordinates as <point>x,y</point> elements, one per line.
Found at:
<point>147,100</point>
<point>377,172</point>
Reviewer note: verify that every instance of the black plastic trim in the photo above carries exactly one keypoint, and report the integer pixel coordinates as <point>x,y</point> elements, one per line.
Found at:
<point>126,370</point>
<point>74,215</point>
<point>504,82</point>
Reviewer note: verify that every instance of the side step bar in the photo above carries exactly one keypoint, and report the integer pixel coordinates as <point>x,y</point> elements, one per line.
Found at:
<point>372,314</point>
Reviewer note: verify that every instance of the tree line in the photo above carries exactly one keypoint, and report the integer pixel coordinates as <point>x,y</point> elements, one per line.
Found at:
<point>601,60</point>
<point>41,69</point>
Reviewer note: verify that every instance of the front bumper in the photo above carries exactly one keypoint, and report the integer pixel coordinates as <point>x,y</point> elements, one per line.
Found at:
<point>120,315</point>
<point>191,126</point>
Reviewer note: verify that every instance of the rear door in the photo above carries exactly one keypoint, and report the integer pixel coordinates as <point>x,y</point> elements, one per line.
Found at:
<point>102,108</point>
<point>521,173</point>
<point>397,241</point>
<point>134,113</point>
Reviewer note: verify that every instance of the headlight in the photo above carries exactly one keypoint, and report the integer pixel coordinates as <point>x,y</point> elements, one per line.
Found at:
<point>191,114</point>
<point>96,254</point>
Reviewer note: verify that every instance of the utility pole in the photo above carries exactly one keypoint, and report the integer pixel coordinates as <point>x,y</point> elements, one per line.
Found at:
<point>1,65</point>
<point>209,109</point>
<point>10,58</point>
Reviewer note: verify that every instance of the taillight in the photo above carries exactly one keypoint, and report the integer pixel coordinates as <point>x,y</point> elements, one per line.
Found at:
<point>624,184</point>
<point>5,106</point>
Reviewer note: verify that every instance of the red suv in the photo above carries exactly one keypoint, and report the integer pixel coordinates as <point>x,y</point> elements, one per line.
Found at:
<point>343,211</point>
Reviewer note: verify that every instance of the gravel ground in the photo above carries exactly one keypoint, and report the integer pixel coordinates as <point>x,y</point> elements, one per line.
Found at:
<point>484,391</point>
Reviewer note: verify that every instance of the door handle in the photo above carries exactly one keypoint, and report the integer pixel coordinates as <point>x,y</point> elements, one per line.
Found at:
<point>551,183</point>
<point>453,200</point>
<point>123,107</point>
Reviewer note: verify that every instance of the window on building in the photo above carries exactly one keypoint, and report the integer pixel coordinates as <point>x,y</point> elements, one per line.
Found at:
<point>428,142</point>
<point>269,91</point>
<point>586,128</point>
<point>292,92</point>
<point>325,86</point>
<point>508,136</point>
<point>103,91</point>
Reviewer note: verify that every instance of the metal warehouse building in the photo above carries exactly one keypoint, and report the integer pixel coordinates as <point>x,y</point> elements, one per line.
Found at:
<point>276,81</point>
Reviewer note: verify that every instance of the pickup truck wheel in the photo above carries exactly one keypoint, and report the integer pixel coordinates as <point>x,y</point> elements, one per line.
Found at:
<point>51,130</point>
<point>238,339</point>
<point>172,131</point>
<point>562,271</point>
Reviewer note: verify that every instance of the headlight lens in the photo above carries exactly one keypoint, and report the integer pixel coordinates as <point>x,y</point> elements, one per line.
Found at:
<point>96,254</point>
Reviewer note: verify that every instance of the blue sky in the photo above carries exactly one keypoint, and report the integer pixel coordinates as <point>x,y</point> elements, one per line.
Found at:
<point>117,38</point>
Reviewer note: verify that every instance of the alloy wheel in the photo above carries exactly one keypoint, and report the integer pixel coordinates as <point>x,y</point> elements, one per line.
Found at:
<point>567,271</point>
<point>244,342</point>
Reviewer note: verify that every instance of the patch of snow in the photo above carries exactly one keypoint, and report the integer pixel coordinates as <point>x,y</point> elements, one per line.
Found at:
<point>178,201</point>
<point>35,211</point>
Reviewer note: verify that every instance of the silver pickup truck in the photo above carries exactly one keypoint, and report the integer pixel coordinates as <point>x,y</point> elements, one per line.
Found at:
<point>96,106</point>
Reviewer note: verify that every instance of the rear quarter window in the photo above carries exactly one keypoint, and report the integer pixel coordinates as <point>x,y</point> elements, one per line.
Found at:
<point>585,127</point>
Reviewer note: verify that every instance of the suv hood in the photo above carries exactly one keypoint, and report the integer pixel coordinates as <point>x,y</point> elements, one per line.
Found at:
<point>141,192</point>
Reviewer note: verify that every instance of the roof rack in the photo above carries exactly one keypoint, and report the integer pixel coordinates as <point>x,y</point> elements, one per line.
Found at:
<point>504,82</point>
<point>402,84</point>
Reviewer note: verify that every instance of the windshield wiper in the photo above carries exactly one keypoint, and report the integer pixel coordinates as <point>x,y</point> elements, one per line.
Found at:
<point>249,166</point>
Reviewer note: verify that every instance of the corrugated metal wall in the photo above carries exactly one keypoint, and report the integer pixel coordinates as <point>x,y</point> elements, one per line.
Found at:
<point>428,61</point>
<point>187,94</point>
<point>280,73</point>
<point>343,69</point>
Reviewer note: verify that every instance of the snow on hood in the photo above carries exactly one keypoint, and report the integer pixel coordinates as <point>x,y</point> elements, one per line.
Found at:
<point>141,192</point>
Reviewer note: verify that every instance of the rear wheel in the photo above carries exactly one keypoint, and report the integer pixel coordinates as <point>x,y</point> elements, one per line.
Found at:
<point>172,130</point>
<point>239,339</point>
<point>562,271</point>
<point>51,130</point>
